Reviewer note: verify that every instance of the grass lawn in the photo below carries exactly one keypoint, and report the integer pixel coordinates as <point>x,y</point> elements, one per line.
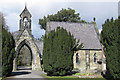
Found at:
<point>0,78</point>
<point>76,79</point>
<point>61,77</point>
<point>71,78</point>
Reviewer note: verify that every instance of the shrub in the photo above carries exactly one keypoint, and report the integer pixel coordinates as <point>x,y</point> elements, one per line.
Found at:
<point>8,52</point>
<point>110,38</point>
<point>59,47</point>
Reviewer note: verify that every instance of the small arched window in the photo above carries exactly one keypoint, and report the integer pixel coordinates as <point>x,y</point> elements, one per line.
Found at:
<point>77,58</point>
<point>95,58</point>
<point>25,22</point>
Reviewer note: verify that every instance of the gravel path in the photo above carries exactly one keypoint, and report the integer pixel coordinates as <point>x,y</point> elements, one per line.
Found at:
<point>26,72</point>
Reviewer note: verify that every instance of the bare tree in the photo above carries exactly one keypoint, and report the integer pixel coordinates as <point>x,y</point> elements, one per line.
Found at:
<point>2,21</point>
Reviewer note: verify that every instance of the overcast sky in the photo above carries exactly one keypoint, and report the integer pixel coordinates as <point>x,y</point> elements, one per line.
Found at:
<point>101,9</point>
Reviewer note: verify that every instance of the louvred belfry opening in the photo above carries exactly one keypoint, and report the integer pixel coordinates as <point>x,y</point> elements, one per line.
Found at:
<point>25,21</point>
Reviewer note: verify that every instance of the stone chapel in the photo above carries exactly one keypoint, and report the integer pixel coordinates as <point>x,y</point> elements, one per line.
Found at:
<point>89,58</point>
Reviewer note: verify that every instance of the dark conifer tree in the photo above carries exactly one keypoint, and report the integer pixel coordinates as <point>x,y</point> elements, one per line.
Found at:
<point>8,52</point>
<point>110,38</point>
<point>58,50</point>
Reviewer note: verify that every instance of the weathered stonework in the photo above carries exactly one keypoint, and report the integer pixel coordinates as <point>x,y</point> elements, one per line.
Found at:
<point>24,37</point>
<point>82,60</point>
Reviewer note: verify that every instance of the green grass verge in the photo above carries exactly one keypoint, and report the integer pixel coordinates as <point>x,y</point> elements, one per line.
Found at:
<point>71,78</point>
<point>83,74</point>
<point>61,77</point>
<point>76,79</point>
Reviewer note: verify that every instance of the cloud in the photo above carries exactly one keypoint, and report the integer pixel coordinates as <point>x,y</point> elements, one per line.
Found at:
<point>100,30</point>
<point>45,1</point>
<point>41,8</point>
<point>36,31</point>
<point>12,21</point>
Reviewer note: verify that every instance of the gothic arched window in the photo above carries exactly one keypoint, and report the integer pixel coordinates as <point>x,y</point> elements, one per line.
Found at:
<point>95,58</point>
<point>77,58</point>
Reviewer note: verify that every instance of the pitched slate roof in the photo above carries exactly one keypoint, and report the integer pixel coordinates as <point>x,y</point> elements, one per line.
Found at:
<point>84,31</point>
<point>16,34</point>
<point>39,45</point>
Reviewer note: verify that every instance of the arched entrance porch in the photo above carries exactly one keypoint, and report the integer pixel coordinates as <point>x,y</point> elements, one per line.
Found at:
<point>35,56</point>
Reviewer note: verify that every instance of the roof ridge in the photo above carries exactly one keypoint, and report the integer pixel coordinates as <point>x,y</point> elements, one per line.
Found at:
<point>69,22</point>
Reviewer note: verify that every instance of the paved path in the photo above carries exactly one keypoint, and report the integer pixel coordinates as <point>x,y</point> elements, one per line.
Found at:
<point>26,72</point>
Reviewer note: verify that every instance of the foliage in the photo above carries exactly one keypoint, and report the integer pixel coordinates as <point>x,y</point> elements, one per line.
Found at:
<point>83,74</point>
<point>65,15</point>
<point>110,38</point>
<point>19,61</point>
<point>8,52</point>
<point>72,78</point>
<point>58,50</point>
<point>0,44</point>
<point>94,19</point>
<point>24,57</point>
<point>41,39</point>
<point>63,77</point>
<point>77,74</point>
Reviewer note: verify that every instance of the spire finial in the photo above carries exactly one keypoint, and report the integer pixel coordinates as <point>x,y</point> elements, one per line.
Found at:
<point>25,4</point>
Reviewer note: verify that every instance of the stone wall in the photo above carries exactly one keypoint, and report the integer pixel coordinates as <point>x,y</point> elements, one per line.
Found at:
<point>25,38</point>
<point>81,65</point>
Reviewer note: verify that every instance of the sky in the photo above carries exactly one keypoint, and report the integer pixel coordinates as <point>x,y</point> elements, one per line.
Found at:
<point>100,9</point>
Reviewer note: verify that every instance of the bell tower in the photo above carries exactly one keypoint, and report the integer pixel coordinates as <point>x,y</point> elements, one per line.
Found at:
<point>25,20</point>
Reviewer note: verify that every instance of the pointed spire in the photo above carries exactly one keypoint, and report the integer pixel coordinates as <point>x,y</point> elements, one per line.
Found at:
<point>25,10</point>
<point>25,5</point>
